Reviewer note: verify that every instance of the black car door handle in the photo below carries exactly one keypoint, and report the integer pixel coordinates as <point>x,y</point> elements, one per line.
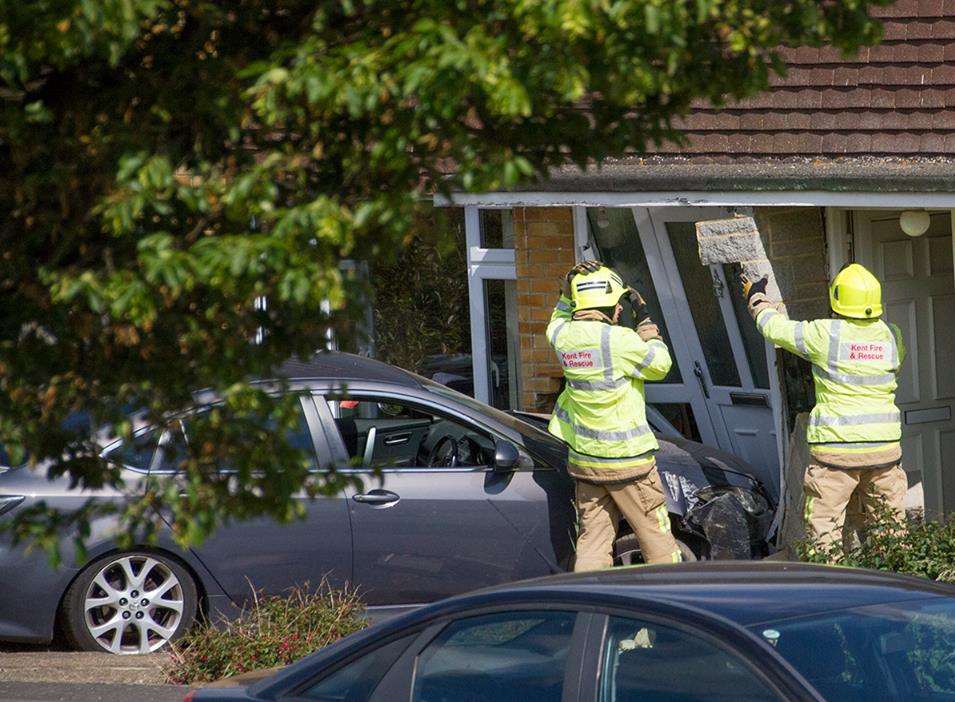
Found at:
<point>376,497</point>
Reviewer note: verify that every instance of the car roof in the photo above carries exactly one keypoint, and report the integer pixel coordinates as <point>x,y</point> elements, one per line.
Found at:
<point>746,592</point>
<point>336,365</point>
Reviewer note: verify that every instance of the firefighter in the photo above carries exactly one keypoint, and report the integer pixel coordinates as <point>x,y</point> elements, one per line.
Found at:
<point>855,428</point>
<point>601,415</point>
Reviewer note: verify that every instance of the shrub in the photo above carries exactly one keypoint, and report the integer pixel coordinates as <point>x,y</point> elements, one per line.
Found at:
<point>274,631</point>
<point>916,547</point>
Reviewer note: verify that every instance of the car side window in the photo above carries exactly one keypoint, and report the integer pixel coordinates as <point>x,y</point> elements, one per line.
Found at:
<point>507,657</point>
<point>173,448</point>
<point>647,662</point>
<point>138,453</point>
<point>384,433</point>
<point>356,681</point>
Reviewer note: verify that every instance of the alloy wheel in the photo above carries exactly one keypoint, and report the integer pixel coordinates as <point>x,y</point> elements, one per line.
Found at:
<point>134,604</point>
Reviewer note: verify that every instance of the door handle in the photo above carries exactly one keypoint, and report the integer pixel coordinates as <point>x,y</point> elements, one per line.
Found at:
<point>698,372</point>
<point>376,497</point>
<point>397,439</point>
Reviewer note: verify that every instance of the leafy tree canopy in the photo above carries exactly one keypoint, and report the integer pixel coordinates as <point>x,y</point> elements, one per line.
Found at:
<point>166,163</point>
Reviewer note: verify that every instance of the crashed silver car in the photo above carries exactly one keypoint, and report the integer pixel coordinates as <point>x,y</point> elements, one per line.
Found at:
<point>450,495</point>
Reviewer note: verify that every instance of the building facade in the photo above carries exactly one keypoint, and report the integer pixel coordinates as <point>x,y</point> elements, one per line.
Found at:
<point>826,161</point>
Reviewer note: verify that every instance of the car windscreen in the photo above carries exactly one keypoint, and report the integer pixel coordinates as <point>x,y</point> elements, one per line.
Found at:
<point>537,440</point>
<point>893,651</point>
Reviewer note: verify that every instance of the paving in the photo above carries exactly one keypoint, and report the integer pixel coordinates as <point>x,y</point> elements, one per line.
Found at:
<point>44,674</point>
<point>88,692</point>
<point>75,667</point>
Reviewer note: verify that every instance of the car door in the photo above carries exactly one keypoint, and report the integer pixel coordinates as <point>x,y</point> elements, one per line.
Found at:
<point>269,556</point>
<point>528,653</point>
<point>433,518</point>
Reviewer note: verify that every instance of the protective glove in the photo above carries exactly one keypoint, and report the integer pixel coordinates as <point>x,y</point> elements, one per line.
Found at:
<point>638,305</point>
<point>584,267</point>
<point>750,289</point>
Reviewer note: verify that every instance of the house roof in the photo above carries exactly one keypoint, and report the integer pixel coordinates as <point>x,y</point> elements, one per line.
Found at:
<point>894,99</point>
<point>880,121</point>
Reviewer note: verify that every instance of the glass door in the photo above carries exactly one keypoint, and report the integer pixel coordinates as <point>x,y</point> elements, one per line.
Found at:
<point>623,239</point>
<point>727,356</point>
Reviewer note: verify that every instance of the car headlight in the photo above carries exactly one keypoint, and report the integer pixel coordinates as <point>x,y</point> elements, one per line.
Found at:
<point>751,501</point>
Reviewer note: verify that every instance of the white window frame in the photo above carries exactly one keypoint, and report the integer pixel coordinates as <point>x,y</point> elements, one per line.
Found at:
<point>483,264</point>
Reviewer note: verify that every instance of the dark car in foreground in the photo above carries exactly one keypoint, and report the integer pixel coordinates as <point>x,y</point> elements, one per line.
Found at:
<point>470,497</point>
<point>694,632</point>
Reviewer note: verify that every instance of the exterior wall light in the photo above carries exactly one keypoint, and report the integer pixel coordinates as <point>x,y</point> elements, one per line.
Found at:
<point>914,222</point>
<point>603,219</point>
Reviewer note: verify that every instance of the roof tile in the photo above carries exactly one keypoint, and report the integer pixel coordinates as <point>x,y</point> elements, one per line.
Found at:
<point>894,98</point>
<point>932,143</point>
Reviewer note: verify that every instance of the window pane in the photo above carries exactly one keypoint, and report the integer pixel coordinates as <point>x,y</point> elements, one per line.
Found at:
<point>172,451</point>
<point>174,448</point>
<point>137,453</point>
<point>862,653</point>
<point>614,232</point>
<point>752,340</point>
<point>388,434</point>
<point>356,681</point>
<point>502,342</point>
<point>511,657</point>
<point>680,416</point>
<point>497,229</point>
<point>646,662</point>
<point>704,306</point>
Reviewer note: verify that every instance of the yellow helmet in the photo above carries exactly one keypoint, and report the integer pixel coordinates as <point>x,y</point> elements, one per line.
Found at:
<point>602,288</point>
<point>856,293</point>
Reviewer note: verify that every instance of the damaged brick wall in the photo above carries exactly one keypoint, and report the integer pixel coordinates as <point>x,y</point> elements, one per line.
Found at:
<point>544,251</point>
<point>795,241</point>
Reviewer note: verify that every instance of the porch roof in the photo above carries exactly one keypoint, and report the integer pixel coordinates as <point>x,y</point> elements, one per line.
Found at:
<point>672,174</point>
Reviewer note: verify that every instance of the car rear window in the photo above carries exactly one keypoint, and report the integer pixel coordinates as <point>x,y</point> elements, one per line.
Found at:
<point>899,650</point>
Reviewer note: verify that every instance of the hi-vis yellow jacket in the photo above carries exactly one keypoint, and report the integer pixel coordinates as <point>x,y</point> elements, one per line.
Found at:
<point>855,362</point>
<point>601,414</point>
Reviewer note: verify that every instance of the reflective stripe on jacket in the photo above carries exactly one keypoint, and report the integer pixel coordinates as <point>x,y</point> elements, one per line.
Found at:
<point>602,411</point>
<point>855,363</point>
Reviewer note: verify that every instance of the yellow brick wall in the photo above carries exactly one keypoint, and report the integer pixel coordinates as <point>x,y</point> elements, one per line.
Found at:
<point>544,251</point>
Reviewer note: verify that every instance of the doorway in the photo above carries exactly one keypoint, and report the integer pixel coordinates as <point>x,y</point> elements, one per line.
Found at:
<point>919,296</point>
<point>720,388</point>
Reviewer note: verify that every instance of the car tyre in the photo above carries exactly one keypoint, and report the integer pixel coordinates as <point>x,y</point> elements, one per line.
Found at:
<point>626,551</point>
<point>130,602</point>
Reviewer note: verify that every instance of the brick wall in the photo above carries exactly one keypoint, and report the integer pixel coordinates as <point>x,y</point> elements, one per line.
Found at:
<point>795,241</point>
<point>544,248</point>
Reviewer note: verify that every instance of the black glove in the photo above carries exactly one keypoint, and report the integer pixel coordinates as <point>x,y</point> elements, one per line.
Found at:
<point>750,289</point>
<point>638,305</point>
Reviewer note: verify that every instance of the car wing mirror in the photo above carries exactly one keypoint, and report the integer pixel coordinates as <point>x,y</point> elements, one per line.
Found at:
<point>506,456</point>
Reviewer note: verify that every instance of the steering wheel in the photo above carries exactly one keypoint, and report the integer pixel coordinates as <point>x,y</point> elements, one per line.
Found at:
<point>444,454</point>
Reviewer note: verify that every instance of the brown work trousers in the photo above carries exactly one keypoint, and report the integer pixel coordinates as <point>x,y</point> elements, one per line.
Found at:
<point>640,501</point>
<point>831,492</point>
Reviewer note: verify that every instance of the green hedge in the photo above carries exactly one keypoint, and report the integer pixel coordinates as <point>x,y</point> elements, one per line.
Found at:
<point>274,631</point>
<point>919,547</point>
